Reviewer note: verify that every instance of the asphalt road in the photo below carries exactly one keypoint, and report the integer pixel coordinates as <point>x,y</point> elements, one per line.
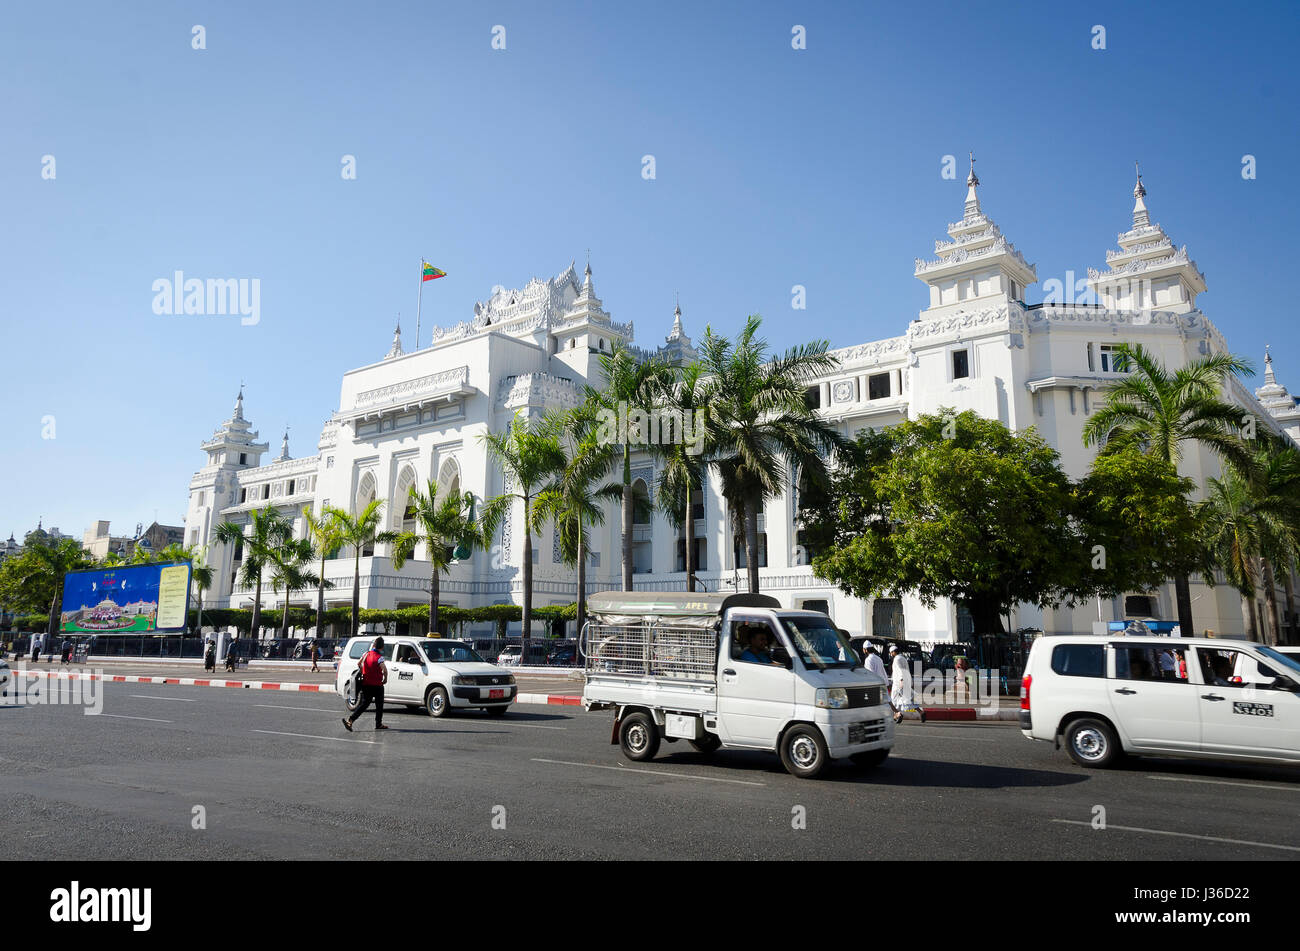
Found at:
<point>276,776</point>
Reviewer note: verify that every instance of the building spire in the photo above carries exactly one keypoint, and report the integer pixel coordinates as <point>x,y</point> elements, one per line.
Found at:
<point>396,349</point>
<point>677,332</point>
<point>586,273</point>
<point>284,446</point>
<point>972,199</point>
<point>1269,378</point>
<point>239,402</point>
<point>1141,218</point>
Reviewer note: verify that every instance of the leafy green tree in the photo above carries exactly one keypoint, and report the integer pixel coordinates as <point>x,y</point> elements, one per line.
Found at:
<point>760,422</point>
<point>632,385</point>
<point>324,534</point>
<point>445,524</point>
<point>1158,412</point>
<point>268,531</point>
<point>571,500</point>
<point>360,531</point>
<point>531,455</point>
<point>33,579</point>
<point>952,506</point>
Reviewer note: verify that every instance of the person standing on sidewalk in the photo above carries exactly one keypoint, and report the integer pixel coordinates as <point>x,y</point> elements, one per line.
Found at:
<point>315,656</point>
<point>374,674</point>
<point>36,647</point>
<point>901,694</point>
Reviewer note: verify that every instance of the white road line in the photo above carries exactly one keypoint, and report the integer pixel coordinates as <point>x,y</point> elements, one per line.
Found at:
<point>650,772</point>
<point>1222,782</point>
<point>1186,835</point>
<point>141,696</point>
<point>312,736</point>
<point>118,716</point>
<point>280,706</point>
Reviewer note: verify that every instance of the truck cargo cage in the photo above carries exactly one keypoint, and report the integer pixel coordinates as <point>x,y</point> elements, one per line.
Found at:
<point>683,648</point>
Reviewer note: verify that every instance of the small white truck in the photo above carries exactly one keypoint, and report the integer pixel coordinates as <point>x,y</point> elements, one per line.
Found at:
<point>731,670</point>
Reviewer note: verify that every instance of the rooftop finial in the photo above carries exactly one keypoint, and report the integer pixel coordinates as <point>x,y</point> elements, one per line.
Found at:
<point>1141,218</point>
<point>972,180</point>
<point>1269,378</point>
<point>239,402</point>
<point>586,274</point>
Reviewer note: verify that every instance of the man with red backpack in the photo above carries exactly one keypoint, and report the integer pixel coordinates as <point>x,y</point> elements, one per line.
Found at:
<point>374,674</point>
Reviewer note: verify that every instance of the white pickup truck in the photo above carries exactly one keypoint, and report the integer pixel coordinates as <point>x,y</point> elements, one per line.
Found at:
<point>731,670</point>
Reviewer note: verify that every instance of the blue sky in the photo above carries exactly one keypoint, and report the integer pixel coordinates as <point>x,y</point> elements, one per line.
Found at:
<point>774,167</point>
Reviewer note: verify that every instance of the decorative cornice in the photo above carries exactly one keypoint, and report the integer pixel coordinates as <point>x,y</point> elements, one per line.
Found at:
<point>432,384</point>
<point>528,389</point>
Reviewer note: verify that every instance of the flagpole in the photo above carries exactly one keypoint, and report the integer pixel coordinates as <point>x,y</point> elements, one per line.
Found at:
<point>418,300</point>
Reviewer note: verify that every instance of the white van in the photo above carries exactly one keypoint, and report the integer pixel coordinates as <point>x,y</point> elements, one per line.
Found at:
<point>437,674</point>
<point>732,670</point>
<point>1197,697</point>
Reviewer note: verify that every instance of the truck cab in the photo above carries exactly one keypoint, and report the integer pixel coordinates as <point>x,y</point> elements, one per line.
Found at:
<point>732,671</point>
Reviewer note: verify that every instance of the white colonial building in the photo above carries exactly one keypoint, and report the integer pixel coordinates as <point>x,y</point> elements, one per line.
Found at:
<point>414,416</point>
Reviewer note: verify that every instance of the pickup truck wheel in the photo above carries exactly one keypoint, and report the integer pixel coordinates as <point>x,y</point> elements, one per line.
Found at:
<point>870,757</point>
<point>803,751</point>
<point>708,743</point>
<point>638,735</point>
<point>436,703</point>
<point>1092,743</point>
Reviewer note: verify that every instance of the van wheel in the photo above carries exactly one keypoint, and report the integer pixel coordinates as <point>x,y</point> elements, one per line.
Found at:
<point>870,757</point>
<point>639,736</point>
<point>708,743</point>
<point>435,702</point>
<point>352,694</point>
<point>1092,743</point>
<point>803,751</point>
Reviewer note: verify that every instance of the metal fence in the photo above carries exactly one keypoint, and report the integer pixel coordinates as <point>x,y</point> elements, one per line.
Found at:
<point>655,650</point>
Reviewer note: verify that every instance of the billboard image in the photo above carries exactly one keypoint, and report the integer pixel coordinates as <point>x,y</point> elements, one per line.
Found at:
<point>128,599</point>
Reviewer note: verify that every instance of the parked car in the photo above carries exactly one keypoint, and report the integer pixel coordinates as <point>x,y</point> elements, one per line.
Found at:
<point>563,655</point>
<point>1209,698</point>
<point>437,674</point>
<point>510,655</point>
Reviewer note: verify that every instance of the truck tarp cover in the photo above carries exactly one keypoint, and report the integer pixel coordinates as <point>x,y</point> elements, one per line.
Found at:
<point>636,606</point>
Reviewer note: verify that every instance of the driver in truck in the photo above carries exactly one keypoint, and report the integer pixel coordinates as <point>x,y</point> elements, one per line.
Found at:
<point>759,650</point>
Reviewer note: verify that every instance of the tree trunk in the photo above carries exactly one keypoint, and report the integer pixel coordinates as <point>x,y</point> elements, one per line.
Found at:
<point>582,580</point>
<point>320,602</point>
<point>751,544</point>
<point>526,614</point>
<point>690,540</point>
<point>255,622</point>
<point>52,622</point>
<point>1183,595</point>
<point>284,620</point>
<point>356,590</point>
<point>986,615</point>
<point>1248,616</point>
<point>433,602</point>
<point>627,536</point>
<point>1274,629</point>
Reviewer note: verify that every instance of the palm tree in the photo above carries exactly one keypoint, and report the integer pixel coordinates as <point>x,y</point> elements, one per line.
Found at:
<point>289,571</point>
<point>1232,539</point>
<point>631,385</point>
<point>48,565</point>
<point>761,423</point>
<point>1159,411</point>
<point>1273,483</point>
<point>447,528</point>
<point>570,501</point>
<point>682,478</point>
<point>530,455</point>
<point>323,532</point>
<point>269,530</point>
<point>359,531</point>
<point>201,574</point>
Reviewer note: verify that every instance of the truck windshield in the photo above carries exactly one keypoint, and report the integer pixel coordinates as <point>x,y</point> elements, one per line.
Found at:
<point>819,643</point>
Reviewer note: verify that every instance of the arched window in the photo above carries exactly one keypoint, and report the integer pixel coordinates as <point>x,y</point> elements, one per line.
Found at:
<point>402,512</point>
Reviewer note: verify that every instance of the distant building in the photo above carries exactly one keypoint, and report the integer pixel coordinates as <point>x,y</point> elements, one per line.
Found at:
<point>98,541</point>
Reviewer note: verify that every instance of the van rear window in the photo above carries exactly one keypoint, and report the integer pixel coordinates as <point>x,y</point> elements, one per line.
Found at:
<point>1079,660</point>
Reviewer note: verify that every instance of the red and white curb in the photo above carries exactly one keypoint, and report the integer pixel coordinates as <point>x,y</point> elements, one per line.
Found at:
<point>176,681</point>
<point>539,698</point>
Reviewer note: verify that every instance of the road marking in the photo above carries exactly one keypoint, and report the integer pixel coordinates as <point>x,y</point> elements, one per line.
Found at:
<point>1222,782</point>
<point>280,706</point>
<point>312,736</point>
<point>652,772</point>
<point>1187,835</point>
<point>142,696</point>
<point>118,716</point>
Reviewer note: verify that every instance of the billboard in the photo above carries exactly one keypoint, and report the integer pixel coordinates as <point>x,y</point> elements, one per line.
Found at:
<point>126,600</point>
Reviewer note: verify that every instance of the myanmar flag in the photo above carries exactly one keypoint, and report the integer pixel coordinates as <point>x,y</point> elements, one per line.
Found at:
<point>431,273</point>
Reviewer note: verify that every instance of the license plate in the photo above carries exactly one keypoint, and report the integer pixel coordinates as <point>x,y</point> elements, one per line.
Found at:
<point>496,694</point>
<point>1253,709</point>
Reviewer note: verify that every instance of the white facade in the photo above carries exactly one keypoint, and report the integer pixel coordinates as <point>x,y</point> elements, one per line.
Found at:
<point>414,416</point>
